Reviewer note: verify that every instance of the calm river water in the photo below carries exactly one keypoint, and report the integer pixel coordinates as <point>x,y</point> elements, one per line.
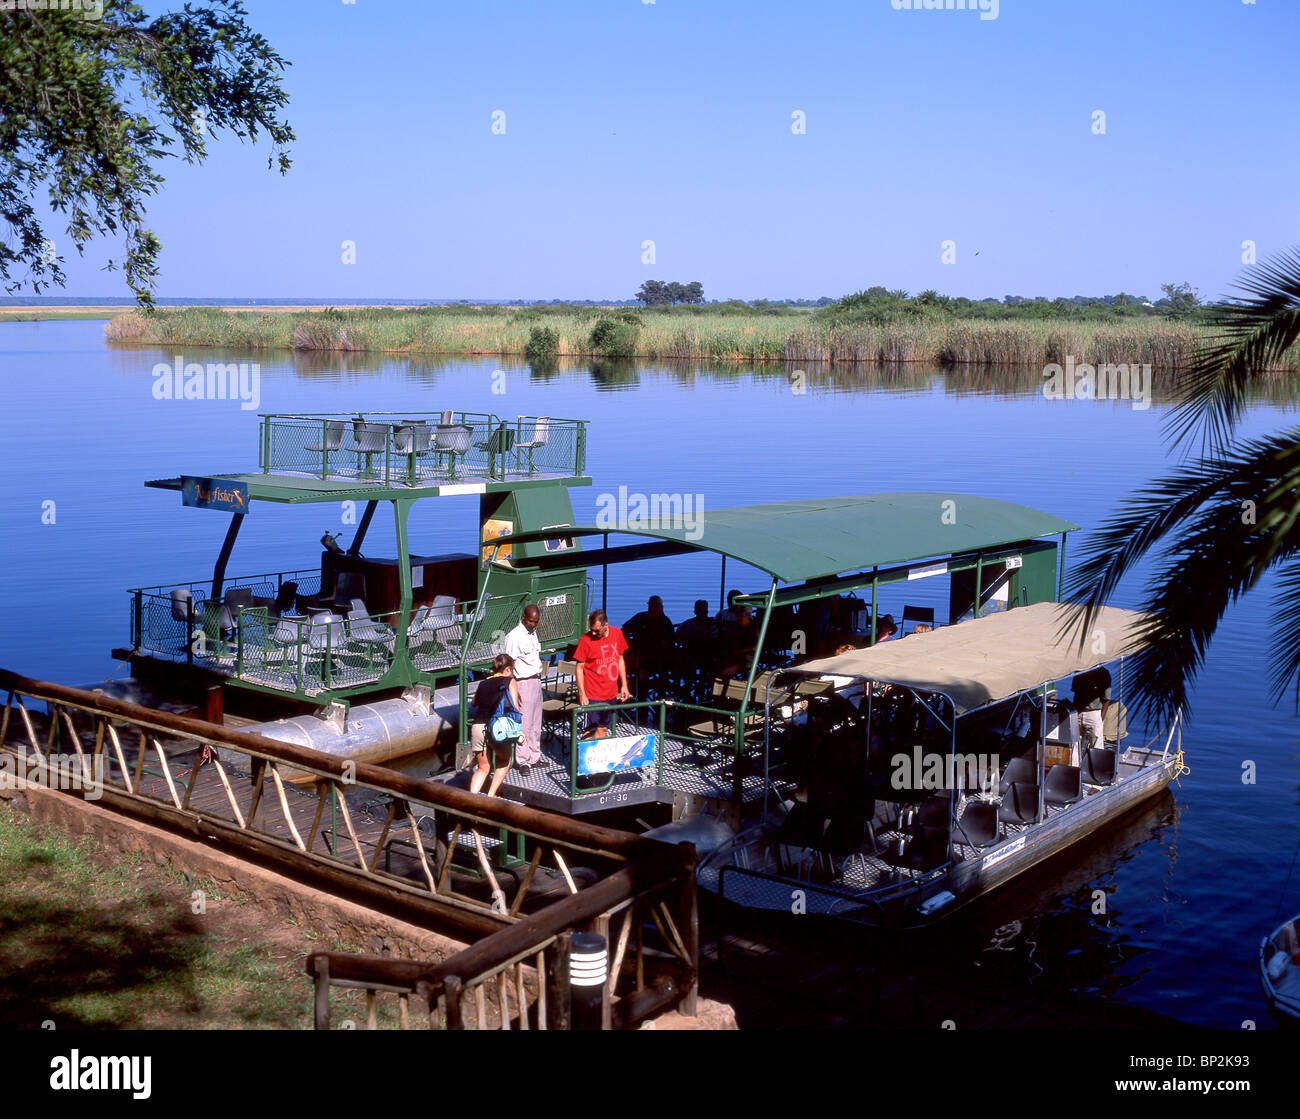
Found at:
<point>1191,884</point>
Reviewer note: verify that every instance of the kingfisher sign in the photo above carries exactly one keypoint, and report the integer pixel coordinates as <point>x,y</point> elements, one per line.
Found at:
<point>616,755</point>
<point>215,493</point>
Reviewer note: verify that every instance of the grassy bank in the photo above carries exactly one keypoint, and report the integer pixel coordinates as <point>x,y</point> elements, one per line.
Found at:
<point>694,333</point>
<point>91,939</point>
<point>40,314</point>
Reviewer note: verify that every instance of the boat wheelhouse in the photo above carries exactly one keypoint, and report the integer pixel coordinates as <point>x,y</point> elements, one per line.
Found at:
<point>405,630</point>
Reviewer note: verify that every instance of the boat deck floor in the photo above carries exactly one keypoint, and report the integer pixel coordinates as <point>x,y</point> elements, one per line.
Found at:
<point>690,766</point>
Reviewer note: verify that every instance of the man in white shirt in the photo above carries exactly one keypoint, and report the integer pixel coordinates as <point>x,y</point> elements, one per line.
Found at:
<point>523,644</point>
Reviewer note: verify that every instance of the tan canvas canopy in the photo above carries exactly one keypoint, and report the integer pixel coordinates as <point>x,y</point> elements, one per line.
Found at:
<point>994,657</point>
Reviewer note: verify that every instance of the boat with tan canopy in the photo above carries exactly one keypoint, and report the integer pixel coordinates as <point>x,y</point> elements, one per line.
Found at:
<point>963,766</point>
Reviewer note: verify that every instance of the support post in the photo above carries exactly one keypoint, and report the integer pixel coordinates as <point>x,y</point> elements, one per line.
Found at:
<point>322,965</point>
<point>401,510</point>
<point>1041,773</point>
<point>749,685</point>
<point>452,988</point>
<point>690,927</point>
<point>219,569</point>
<point>557,996</point>
<point>875,591</point>
<point>354,549</point>
<point>1060,570</point>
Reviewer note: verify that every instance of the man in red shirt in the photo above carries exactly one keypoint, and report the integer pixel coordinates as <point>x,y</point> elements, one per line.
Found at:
<point>601,673</point>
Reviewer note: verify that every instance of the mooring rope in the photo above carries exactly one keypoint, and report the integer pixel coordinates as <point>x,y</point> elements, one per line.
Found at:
<point>1181,768</point>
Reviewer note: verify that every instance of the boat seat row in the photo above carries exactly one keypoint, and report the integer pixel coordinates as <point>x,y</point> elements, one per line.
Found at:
<point>980,822</point>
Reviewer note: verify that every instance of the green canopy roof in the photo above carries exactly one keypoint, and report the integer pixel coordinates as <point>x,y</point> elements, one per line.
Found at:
<point>820,537</point>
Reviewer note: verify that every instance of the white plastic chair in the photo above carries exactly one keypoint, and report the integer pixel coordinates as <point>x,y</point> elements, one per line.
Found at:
<point>541,433</point>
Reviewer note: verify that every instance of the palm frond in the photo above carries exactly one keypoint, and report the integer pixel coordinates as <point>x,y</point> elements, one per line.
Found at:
<point>1284,665</point>
<point>1253,335</point>
<point>1226,521</point>
<point>1117,546</point>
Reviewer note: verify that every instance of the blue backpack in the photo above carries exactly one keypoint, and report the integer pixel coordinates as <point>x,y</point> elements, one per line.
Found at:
<point>506,723</point>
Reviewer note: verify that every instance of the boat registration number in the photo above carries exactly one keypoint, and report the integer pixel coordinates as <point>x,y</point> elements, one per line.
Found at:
<point>556,599</point>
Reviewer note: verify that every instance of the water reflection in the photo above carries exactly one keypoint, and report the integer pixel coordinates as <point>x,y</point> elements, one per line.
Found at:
<point>620,374</point>
<point>1067,927</point>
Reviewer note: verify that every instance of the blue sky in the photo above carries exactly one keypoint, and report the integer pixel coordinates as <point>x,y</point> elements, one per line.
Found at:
<point>672,122</point>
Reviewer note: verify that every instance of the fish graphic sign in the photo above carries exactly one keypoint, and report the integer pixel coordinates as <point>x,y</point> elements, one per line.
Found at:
<point>215,493</point>
<point>616,755</point>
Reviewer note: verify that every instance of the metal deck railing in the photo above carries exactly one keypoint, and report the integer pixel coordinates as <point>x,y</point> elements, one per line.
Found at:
<point>271,646</point>
<point>415,449</point>
<point>664,744</point>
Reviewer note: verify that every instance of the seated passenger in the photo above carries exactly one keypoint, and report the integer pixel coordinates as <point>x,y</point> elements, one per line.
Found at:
<point>737,644</point>
<point>651,624</point>
<point>649,636</point>
<point>700,629</point>
<point>814,618</point>
<point>886,629</point>
<point>728,615</point>
<point>697,640</point>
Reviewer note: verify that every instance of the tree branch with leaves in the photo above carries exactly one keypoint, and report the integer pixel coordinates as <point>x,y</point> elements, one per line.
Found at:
<point>88,107</point>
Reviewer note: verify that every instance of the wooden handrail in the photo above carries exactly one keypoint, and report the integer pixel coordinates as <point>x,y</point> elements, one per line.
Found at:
<point>574,911</point>
<point>671,867</point>
<point>649,867</point>
<point>491,810</point>
<point>632,881</point>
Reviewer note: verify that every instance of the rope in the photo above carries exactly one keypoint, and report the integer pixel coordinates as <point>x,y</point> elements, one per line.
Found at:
<point>124,664</point>
<point>1181,768</point>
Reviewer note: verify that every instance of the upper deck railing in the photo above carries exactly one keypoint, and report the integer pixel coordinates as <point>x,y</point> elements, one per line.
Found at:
<point>256,634</point>
<point>415,449</point>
